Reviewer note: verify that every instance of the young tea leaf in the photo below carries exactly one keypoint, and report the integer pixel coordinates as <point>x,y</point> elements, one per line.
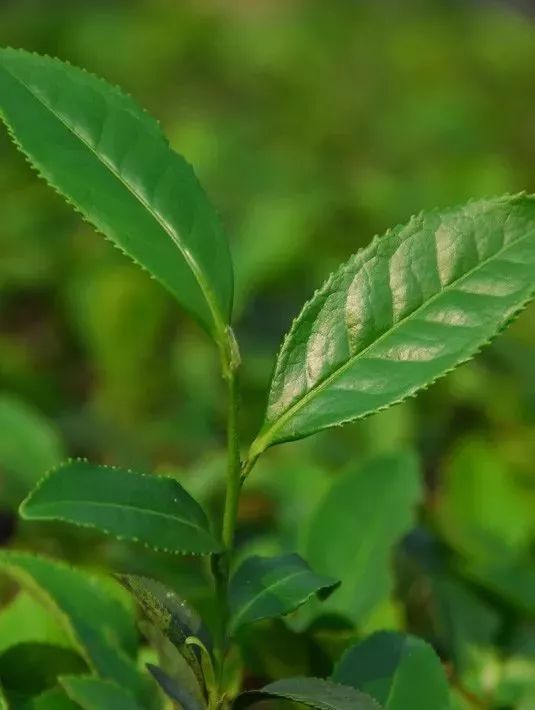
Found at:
<point>312,692</point>
<point>399,671</point>
<point>405,310</point>
<point>154,510</point>
<point>92,618</point>
<point>267,587</point>
<point>110,160</point>
<point>95,694</point>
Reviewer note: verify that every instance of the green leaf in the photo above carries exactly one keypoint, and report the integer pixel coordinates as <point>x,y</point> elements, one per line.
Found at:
<point>154,510</point>
<point>172,615</point>
<point>173,690</point>
<point>366,511</point>
<point>110,160</point>
<point>402,312</point>
<point>312,692</point>
<point>24,620</point>
<point>54,699</point>
<point>95,694</point>
<point>93,618</point>
<point>28,446</point>
<point>30,668</point>
<point>399,671</point>
<point>267,587</point>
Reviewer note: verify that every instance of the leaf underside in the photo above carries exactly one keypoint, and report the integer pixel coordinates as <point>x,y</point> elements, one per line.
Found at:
<point>154,510</point>
<point>172,689</point>
<point>267,587</point>
<point>312,692</point>
<point>110,160</point>
<point>400,313</point>
<point>172,615</point>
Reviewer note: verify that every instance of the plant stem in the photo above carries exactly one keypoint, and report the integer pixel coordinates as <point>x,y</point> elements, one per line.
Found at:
<point>233,466</point>
<point>221,563</point>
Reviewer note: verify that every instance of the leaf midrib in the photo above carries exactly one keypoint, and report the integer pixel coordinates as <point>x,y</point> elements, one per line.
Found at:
<point>266,438</point>
<point>120,506</point>
<point>154,213</point>
<point>266,590</point>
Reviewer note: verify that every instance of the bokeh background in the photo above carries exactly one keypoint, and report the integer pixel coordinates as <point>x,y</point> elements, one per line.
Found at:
<point>313,126</point>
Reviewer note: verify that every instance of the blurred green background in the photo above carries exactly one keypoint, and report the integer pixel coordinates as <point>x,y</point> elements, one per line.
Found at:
<point>313,126</point>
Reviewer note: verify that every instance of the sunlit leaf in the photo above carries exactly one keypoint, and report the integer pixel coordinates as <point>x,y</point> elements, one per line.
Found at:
<point>401,313</point>
<point>110,160</point>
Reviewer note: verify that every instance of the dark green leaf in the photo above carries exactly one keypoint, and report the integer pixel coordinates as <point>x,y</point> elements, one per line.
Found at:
<point>173,689</point>
<point>171,614</point>
<point>366,512</point>
<point>96,147</point>
<point>96,694</point>
<point>93,618</point>
<point>401,672</point>
<point>266,587</point>
<point>151,509</point>
<point>31,668</point>
<point>312,692</point>
<point>401,313</point>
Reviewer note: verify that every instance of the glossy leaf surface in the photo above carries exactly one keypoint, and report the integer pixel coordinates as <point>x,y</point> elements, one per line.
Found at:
<point>109,158</point>
<point>154,510</point>
<point>401,672</point>
<point>266,587</point>
<point>312,692</point>
<point>400,313</point>
<point>94,619</point>
<point>95,694</point>
<point>355,526</point>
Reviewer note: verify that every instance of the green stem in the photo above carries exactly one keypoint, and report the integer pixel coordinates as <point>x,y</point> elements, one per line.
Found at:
<point>221,563</point>
<point>233,467</point>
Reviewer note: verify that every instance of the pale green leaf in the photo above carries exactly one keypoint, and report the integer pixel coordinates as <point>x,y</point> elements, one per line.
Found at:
<point>24,620</point>
<point>400,672</point>
<point>154,510</point>
<point>312,692</point>
<point>54,699</point>
<point>366,511</point>
<point>110,160</point>
<point>96,694</point>
<point>93,619</point>
<point>267,587</point>
<point>400,313</point>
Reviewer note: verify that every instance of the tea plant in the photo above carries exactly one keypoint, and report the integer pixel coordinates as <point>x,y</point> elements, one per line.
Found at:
<point>401,313</point>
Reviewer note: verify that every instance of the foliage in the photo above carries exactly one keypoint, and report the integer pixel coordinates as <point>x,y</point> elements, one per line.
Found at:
<point>396,539</point>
